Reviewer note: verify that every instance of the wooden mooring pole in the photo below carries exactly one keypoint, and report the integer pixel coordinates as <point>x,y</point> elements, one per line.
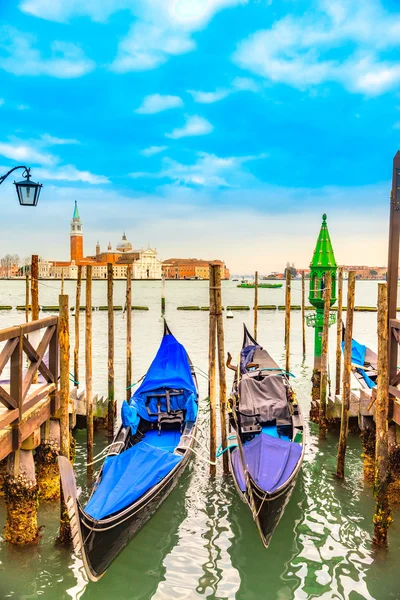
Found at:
<point>163,294</point>
<point>110,305</point>
<point>339,327</point>
<point>382,516</point>
<point>63,333</point>
<point>255,304</point>
<point>324,357</point>
<point>128,332</point>
<point>303,311</point>
<point>221,365</point>
<point>287,319</point>
<point>34,287</point>
<point>212,371</point>
<point>344,423</point>
<point>77,319</point>
<point>27,298</point>
<point>88,372</point>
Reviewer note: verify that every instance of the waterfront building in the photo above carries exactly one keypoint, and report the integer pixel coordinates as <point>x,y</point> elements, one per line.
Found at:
<point>145,262</point>
<point>191,268</point>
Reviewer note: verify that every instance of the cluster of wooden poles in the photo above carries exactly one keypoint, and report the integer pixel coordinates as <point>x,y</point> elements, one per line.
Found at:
<point>217,355</point>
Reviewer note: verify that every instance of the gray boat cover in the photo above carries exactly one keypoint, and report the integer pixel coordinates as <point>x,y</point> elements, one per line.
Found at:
<point>266,398</point>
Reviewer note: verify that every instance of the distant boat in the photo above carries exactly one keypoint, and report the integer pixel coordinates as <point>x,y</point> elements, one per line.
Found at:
<point>364,363</point>
<point>238,280</point>
<point>229,314</point>
<point>260,285</point>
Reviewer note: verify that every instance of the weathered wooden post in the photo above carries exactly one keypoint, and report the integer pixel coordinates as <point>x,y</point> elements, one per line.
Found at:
<point>63,333</point>
<point>287,318</point>
<point>324,357</point>
<point>88,372</point>
<point>344,423</point>
<point>34,287</point>
<point>212,370</point>
<point>27,298</point>
<point>110,306</point>
<point>221,364</point>
<point>77,319</point>
<point>382,516</point>
<point>255,304</point>
<point>21,498</point>
<point>339,331</point>
<point>392,280</point>
<point>129,332</point>
<point>323,261</point>
<point>303,311</point>
<point>163,294</point>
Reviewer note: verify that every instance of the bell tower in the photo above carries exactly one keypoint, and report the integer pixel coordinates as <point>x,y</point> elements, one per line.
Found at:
<point>76,236</point>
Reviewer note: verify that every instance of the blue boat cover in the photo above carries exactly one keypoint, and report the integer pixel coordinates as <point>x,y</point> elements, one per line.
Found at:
<point>358,358</point>
<point>170,369</point>
<point>127,476</point>
<point>270,461</point>
<point>357,353</point>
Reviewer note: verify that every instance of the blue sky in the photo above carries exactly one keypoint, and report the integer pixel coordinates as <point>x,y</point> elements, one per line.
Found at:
<point>209,128</point>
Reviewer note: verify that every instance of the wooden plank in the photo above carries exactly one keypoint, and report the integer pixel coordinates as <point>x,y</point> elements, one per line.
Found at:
<point>36,356</point>
<point>6,399</point>
<point>8,417</point>
<point>16,386</point>
<point>393,391</point>
<point>6,352</point>
<point>53,366</point>
<point>14,332</point>
<point>38,395</point>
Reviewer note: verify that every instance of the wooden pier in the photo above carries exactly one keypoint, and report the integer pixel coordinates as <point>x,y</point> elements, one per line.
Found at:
<point>26,406</point>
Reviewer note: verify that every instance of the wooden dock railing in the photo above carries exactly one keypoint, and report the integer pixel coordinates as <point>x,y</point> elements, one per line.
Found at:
<point>21,393</point>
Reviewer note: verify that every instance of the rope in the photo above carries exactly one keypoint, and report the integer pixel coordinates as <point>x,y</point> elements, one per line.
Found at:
<point>101,454</point>
<point>71,378</point>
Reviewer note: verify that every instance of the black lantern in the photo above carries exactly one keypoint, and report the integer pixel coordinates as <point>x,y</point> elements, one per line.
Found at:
<point>28,191</point>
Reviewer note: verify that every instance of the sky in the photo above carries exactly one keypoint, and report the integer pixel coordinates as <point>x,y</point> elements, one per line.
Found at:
<point>205,128</point>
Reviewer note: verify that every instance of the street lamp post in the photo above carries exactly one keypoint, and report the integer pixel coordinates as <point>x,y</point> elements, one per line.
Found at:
<point>27,190</point>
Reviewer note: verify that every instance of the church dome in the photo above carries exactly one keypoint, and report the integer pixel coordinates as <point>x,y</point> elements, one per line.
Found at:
<point>124,245</point>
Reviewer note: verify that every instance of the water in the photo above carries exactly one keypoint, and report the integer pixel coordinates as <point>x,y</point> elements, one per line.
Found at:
<point>202,542</point>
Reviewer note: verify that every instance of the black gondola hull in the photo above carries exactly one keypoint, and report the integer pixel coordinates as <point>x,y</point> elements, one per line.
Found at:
<point>104,544</point>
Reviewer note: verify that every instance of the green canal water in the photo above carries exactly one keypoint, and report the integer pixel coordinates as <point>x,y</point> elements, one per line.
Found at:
<point>202,542</point>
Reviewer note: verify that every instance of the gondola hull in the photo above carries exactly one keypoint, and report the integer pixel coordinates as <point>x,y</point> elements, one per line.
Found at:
<point>100,542</point>
<point>103,545</point>
<point>266,507</point>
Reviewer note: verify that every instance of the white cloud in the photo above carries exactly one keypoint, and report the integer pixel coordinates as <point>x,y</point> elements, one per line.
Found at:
<point>22,107</point>
<point>239,84</point>
<point>20,57</point>
<point>62,10</point>
<point>156,103</point>
<point>302,52</point>
<point>163,28</point>
<point>153,150</point>
<point>208,97</point>
<point>396,125</point>
<point>70,173</point>
<point>1,101</point>
<point>46,165</point>
<point>22,152</point>
<point>50,140</point>
<point>194,126</point>
<point>244,84</point>
<point>209,170</point>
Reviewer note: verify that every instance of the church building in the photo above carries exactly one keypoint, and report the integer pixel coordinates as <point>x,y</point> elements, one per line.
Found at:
<point>145,264</point>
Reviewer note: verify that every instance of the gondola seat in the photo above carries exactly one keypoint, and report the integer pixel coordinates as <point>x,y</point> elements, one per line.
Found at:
<point>167,418</point>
